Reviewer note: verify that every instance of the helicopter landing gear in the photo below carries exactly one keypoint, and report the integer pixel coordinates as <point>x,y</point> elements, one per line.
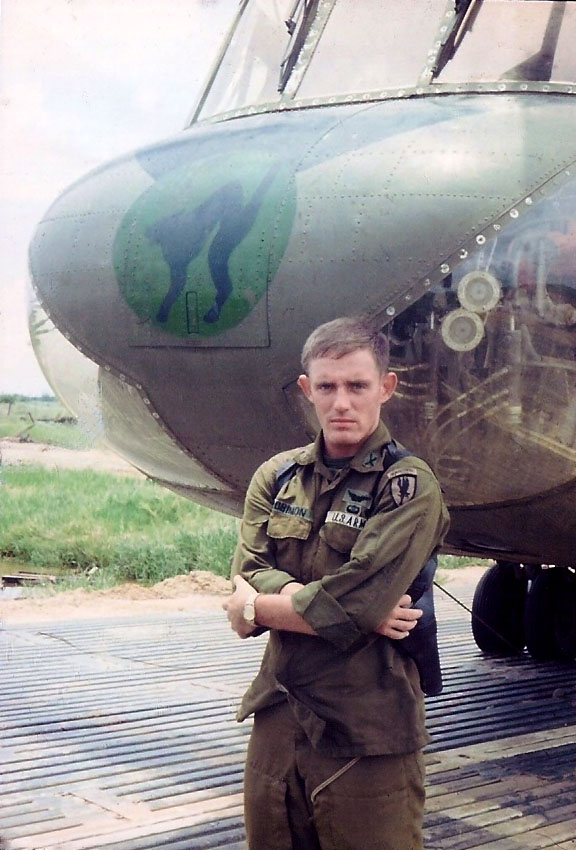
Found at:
<point>498,609</point>
<point>550,617</point>
<point>519,606</point>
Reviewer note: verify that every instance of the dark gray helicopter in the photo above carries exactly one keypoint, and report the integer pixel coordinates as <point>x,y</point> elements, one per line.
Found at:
<point>413,162</point>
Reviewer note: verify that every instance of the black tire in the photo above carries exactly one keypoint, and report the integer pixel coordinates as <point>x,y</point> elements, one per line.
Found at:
<point>498,610</point>
<point>565,623</point>
<point>550,618</point>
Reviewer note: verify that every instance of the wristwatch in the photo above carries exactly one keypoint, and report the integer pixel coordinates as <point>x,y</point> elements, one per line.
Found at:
<point>249,612</point>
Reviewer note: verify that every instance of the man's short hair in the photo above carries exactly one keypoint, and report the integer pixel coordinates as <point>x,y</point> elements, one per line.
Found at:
<point>342,336</point>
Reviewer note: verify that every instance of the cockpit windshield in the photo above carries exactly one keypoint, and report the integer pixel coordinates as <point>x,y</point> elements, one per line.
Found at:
<point>385,46</point>
<point>281,52</point>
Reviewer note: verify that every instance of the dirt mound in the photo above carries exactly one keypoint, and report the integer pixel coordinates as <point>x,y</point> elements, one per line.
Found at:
<point>198,581</point>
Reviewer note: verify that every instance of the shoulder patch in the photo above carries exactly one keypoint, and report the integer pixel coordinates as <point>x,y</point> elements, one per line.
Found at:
<point>403,487</point>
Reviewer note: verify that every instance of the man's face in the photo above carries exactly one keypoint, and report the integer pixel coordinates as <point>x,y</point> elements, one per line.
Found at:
<point>347,393</point>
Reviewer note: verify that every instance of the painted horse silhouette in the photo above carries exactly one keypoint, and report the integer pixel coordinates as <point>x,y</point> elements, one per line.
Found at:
<point>183,235</point>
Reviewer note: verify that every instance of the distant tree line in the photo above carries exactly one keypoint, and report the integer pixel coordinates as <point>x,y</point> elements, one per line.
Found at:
<point>11,398</point>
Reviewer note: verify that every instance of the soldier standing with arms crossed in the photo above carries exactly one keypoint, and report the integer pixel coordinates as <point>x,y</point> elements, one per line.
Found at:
<point>333,536</point>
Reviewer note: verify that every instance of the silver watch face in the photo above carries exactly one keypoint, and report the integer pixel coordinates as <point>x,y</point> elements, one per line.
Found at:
<point>249,613</point>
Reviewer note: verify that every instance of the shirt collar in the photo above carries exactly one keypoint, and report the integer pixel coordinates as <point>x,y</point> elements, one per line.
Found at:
<point>368,458</point>
<point>370,455</point>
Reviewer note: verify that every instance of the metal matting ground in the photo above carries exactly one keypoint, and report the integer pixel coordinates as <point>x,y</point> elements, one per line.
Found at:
<point>119,734</point>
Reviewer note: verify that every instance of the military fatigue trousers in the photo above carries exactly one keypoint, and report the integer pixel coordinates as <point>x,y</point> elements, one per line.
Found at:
<point>297,799</point>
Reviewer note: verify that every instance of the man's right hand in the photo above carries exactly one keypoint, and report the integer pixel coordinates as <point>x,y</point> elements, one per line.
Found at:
<point>400,621</point>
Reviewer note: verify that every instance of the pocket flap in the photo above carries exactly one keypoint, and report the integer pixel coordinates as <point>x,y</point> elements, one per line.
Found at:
<point>283,525</point>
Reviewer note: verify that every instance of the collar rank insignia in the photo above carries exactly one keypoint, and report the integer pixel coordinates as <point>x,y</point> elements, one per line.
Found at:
<point>370,460</point>
<point>403,488</point>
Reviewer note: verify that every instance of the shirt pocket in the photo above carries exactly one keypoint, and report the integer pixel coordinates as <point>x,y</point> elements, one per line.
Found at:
<point>282,526</point>
<point>339,537</point>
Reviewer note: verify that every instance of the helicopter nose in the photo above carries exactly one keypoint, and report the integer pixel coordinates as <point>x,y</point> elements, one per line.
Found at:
<point>71,258</point>
<point>194,270</point>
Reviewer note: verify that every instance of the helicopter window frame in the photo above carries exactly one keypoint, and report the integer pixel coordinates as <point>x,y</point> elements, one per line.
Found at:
<point>451,56</point>
<point>463,17</point>
<point>298,29</point>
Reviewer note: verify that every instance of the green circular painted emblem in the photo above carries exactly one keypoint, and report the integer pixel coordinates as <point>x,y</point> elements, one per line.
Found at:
<point>197,250</point>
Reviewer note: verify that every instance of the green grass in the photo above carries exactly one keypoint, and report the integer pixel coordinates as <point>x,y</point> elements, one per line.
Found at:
<point>42,421</point>
<point>130,530</point>
<point>99,530</point>
<point>454,562</point>
<point>67,435</point>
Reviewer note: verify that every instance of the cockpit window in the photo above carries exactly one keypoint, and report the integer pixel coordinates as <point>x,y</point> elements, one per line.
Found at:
<point>292,50</point>
<point>514,40</point>
<point>372,45</point>
<point>249,72</point>
<point>354,48</point>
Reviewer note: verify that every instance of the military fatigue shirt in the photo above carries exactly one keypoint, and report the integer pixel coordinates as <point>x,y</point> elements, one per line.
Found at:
<point>356,539</point>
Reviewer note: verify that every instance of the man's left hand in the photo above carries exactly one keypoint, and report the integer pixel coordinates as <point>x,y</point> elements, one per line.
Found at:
<point>401,621</point>
<point>234,607</point>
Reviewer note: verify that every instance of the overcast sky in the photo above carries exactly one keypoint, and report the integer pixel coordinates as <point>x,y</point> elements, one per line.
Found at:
<point>81,82</point>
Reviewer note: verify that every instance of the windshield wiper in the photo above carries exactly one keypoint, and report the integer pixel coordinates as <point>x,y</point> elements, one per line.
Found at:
<point>291,19</point>
<point>298,24</point>
<point>465,12</point>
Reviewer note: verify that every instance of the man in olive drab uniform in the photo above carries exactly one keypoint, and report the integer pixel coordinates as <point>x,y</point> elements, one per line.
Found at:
<point>333,535</point>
